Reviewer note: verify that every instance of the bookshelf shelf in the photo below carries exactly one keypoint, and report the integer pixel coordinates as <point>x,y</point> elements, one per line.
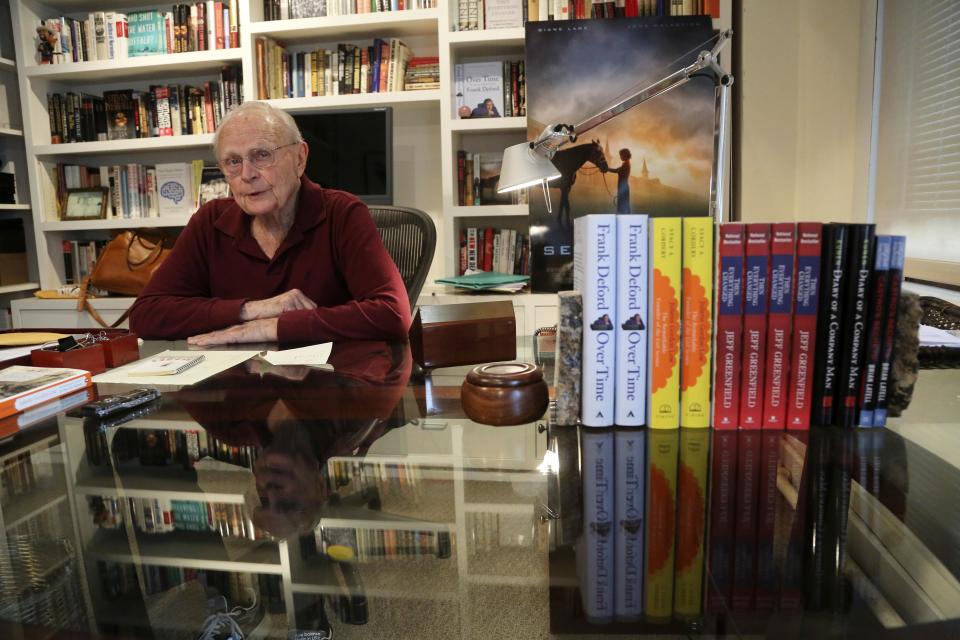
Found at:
<point>403,578</point>
<point>136,68</point>
<point>14,207</point>
<point>6,64</point>
<point>184,549</point>
<point>164,143</point>
<point>13,133</point>
<point>394,98</point>
<point>400,24</point>
<point>482,125</point>
<point>116,223</point>
<point>140,483</point>
<point>490,211</point>
<point>463,42</point>
<point>16,288</point>
<point>27,506</point>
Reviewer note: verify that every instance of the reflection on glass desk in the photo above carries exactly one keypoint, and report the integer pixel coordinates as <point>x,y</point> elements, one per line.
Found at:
<point>362,502</point>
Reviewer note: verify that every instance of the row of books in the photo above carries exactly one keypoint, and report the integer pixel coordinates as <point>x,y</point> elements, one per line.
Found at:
<point>119,579</point>
<point>111,35</point>
<point>161,110</point>
<point>162,515</point>
<point>473,15</point>
<point>648,331</point>
<point>388,478</point>
<point>490,249</point>
<point>373,545</point>
<point>18,475</point>
<point>490,89</point>
<point>477,177</point>
<point>378,68</point>
<point>805,325</point>
<point>293,9</point>
<point>162,447</point>
<point>79,258</point>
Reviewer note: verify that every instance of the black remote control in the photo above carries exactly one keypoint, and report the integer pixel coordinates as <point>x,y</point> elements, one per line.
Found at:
<point>110,405</point>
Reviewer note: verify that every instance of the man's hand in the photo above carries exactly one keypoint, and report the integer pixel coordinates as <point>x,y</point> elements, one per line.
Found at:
<point>263,330</point>
<point>272,307</point>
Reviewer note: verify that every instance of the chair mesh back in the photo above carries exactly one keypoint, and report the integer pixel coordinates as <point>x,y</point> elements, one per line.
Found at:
<point>411,239</point>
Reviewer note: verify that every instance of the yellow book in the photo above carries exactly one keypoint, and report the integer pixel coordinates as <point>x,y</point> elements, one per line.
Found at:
<point>691,522</point>
<point>661,523</point>
<point>664,326</point>
<point>696,312</point>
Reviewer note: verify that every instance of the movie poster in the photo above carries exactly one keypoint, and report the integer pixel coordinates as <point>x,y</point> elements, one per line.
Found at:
<point>655,158</point>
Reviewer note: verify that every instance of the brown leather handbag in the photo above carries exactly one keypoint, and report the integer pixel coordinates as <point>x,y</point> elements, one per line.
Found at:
<point>124,266</point>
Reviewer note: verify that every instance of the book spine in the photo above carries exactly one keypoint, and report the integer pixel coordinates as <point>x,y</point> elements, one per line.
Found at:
<point>628,523</point>
<point>596,562</point>
<point>859,269</point>
<point>833,268</point>
<point>691,521</point>
<point>878,296</point>
<point>661,523</point>
<point>631,384</point>
<point>837,593</point>
<point>664,327</point>
<point>803,349</point>
<point>729,332</point>
<point>696,310</point>
<point>814,560</point>
<point>723,485</point>
<point>745,520</point>
<point>767,571</point>
<point>756,294</point>
<point>595,269</point>
<point>898,249</point>
<point>779,325</point>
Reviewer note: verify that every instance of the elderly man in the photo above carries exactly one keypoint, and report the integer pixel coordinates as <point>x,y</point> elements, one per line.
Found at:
<point>283,259</point>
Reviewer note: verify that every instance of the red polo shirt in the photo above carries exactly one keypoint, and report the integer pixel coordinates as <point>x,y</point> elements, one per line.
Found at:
<point>333,253</point>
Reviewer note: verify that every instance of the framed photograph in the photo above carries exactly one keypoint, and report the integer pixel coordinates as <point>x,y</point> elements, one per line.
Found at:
<point>86,204</point>
<point>213,185</point>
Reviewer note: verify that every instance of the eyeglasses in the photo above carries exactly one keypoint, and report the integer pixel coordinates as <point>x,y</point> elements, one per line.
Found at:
<point>259,158</point>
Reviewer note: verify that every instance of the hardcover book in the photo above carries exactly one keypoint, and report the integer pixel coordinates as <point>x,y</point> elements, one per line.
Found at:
<point>729,333</point>
<point>832,294</point>
<point>664,327</point>
<point>121,114</point>
<point>628,523</point>
<point>175,188</point>
<point>898,250</point>
<point>595,560</point>
<point>24,387</point>
<point>878,296</point>
<point>755,302</point>
<point>779,325</point>
<point>696,309</point>
<point>859,269</point>
<point>570,70</point>
<point>661,523</point>
<point>147,33</point>
<point>595,259</point>
<point>476,83</point>
<point>630,406</point>
<point>691,521</point>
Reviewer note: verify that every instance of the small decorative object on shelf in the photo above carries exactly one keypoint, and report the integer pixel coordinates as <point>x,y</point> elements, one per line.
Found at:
<point>86,204</point>
<point>504,393</point>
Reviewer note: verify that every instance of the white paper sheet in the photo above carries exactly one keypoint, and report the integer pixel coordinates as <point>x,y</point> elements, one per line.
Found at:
<point>933,337</point>
<point>213,363</point>
<point>315,355</point>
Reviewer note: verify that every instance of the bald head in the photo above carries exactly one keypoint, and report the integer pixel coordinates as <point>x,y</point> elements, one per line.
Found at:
<point>259,116</point>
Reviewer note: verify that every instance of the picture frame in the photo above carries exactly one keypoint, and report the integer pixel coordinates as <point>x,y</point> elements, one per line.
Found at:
<point>86,204</point>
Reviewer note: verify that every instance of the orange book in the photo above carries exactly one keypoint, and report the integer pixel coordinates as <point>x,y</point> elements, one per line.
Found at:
<point>664,326</point>
<point>24,387</point>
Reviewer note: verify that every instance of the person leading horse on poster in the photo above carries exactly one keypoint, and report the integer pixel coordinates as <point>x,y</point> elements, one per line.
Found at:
<point>623,181</point>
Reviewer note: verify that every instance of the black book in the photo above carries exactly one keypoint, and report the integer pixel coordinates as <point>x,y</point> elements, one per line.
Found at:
<point>815,569</point>
<point>120,116</point>
<point>859,270</point>
<point>833,263</point>
<point>898,250</point>
<point>837,594</point>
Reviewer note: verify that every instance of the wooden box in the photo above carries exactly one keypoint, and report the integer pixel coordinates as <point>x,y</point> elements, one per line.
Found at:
<point>92,358</point>
<point>449,335</point>
<point>121,349</point>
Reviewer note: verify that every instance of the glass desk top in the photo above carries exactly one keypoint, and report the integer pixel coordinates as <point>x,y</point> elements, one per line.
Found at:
<point>362,502</point>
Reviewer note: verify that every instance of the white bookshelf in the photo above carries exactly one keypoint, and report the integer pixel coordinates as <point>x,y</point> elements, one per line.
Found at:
<point>140,67</point>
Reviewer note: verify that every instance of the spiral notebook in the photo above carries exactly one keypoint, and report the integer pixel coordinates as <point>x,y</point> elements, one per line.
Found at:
<point>164,365</point>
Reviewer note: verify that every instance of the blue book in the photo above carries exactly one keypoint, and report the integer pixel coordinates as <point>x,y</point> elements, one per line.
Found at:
<point>898,250</point>
<point>147,33</point>
<point>375,63</point>
<point>628,523</point>
<point>595,561</point>
<point>874,341</point>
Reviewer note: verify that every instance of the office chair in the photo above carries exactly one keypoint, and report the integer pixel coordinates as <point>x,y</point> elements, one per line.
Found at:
<point>411,239</point>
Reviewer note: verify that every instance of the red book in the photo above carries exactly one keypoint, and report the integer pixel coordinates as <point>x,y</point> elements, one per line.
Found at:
<point>723,482</point>
<point>779,324</point>
<point>218,23</point>
<point>729,331</point>
<point>463,252</point>
<point>767,571</point>
<point>488,249</point>
<point>756,288</point>
<point>803,350</point>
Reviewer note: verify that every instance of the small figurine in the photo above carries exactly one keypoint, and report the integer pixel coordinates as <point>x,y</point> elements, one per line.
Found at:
<point>48,44</point>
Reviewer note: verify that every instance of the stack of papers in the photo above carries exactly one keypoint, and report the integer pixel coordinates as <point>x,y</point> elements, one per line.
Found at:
<point>487,281</point>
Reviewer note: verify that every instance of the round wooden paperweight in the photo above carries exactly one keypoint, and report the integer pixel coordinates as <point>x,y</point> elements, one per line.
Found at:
<point>504,393</point>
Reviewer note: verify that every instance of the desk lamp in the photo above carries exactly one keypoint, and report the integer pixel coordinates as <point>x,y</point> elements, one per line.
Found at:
<point>529,163</point>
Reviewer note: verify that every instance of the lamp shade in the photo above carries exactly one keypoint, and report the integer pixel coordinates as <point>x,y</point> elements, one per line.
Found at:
<point>523,167</point>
